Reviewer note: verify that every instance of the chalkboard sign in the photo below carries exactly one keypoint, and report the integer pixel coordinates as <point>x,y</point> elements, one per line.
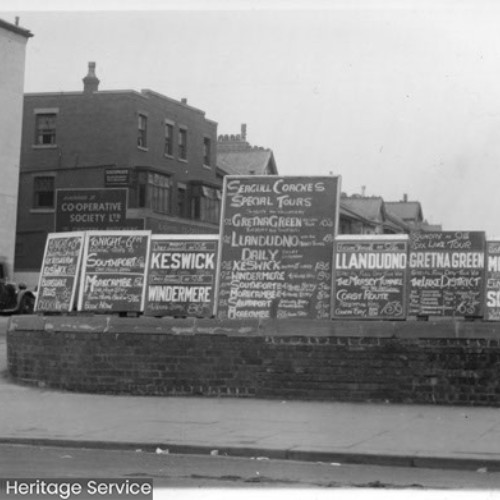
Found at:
<point>114,271</point>
<point>181,275</point>
<point>59,273</point>
<point>370,277</point>
<point>492,308</point>
<point>277,247</point>
<point>446,273</point>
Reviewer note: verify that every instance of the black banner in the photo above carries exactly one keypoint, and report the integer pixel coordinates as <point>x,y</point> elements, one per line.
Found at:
<point>370,277</point>
<point>181,275</point>
<point>277,246</point>
<point>114,271</point>
<point>446,273</point>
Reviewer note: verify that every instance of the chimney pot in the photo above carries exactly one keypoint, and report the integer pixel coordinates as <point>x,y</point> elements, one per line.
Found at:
<point>184,100</point>
<point>244,131</point>
<point>405,197</point>
<point>90,82</point>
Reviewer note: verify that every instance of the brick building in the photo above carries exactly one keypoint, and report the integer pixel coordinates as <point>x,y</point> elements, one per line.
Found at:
<point>13,41</point>
<point>162,151</point>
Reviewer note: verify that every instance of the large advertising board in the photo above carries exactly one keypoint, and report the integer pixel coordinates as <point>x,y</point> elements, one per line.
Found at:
<point>113,276</point>
<point>276,251</point>
<point>446,273</point>
<point>370,277</point>
<point>181,275</point>
<point>492,281</point>
<point>59,273</point>
<point>90,209</point>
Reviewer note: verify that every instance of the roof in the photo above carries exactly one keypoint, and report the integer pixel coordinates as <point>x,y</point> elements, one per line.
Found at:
<point>15,29</point>
<point>406,210</point>
<point>249,162</point>
<point>367,207</point>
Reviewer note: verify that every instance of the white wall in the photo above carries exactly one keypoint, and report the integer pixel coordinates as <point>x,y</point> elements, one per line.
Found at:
<point>12,63</point>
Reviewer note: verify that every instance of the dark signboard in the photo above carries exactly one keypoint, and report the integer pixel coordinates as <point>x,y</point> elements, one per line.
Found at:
<point>59,273</point>
<point>90,209</point>
<point>113,274</point>
<point>277,247</point>
<point>181,275</point>
<point>446,273</point>
<point>492,308</point>
<point>116,177</point>
<point>370,277</point>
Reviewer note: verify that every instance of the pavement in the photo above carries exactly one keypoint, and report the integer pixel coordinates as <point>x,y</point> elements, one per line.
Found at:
<point>454,437</point>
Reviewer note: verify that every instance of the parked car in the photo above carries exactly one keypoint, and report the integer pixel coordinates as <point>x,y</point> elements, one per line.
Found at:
<point>14,299</point>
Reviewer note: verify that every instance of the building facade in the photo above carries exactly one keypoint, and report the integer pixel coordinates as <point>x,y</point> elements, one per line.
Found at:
<point>160,150</point>
<point>13,41</point>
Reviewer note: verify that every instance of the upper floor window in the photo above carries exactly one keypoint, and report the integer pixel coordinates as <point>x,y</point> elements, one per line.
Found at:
<point>43,192</point>
<point>207,151</point>
<point>45,129</point>
<point>142,131</point>
<point>169,139</point>
<point>154,192</point>
<point>183,144</point>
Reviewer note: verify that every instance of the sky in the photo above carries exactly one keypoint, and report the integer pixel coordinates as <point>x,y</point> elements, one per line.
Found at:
<point>397,97</point>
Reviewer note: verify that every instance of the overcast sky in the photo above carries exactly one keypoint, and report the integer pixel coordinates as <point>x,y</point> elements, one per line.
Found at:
<point>399,97</point>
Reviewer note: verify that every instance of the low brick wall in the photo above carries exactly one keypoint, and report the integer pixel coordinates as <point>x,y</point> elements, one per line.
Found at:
<point>443,362</point>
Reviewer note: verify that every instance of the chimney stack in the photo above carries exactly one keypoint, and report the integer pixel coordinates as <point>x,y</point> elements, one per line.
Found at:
<point>243,131</point>
<point>184,100</point>
<point>405,198</point>
<point>90,82</point>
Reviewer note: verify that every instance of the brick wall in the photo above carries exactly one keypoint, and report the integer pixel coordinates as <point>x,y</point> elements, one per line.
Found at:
<point>411,362</point>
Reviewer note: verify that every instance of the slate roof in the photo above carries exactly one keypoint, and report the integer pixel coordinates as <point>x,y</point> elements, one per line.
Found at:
<point>367,207</point>
<point>248,162</point>
<point>406,210</point>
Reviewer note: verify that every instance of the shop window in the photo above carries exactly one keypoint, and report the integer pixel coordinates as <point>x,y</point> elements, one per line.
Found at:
<point>154,192</point>
<point>205,204</point>
<point>43,192</point>
<point>142,131</point>
<point>45,125</point>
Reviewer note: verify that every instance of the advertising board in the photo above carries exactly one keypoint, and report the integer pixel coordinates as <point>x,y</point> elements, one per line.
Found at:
<point>59,273</point>
<point>492,281</point>
<point>181,275</point>
<point>277,246</point>
<point>446,273</point>
<point>370,277</point>
<point>113,276</point>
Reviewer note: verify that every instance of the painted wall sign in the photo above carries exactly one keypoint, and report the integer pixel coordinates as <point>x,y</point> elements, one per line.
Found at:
<point>116,177</point>
<point>114,271</point>
<point>370,277</point>
<point>59,274</point>
<point>446,273</point>
<point>492,281</point>
<point>181,275</point>
<point>90,209</point>
<point>277,246</point>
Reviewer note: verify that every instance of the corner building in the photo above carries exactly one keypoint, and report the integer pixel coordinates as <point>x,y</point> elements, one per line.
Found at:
<point>163,151</point>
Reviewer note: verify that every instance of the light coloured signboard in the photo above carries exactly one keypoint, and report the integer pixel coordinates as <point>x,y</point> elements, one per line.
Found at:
<point>113,277</point>
<point>59,273</point>
<point>181,275</point>
<point>492,280</point>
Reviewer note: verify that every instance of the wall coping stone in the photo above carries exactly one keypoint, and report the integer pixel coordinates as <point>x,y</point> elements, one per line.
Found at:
<point>438,328</point>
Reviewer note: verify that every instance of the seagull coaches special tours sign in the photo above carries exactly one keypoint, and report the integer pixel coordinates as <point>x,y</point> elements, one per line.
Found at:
<point>113,274</point>
<point>370,277</point>
<point>277,246</point>
<point>446,273</point>
<point>181,275</point>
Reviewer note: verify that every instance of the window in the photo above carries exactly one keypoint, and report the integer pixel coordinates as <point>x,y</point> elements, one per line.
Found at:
<point>154,192</point>
<point>181,200</point>
<point>183,144</point>
<point>45,124</point>
<point>205,204</point>
<point>207,150</point>
<point>169,139</point>
<point>43,192</point>
<point>142,132</point>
